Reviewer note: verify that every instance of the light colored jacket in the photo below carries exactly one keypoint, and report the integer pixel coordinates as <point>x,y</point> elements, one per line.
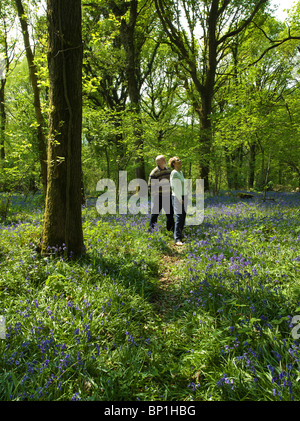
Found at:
<point>177,184</point>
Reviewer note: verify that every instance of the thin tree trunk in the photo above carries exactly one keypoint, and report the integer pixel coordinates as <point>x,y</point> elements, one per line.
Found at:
<point>63,220</point>
<point>5,65</point>
<point>2,119</point>
<point>267,176</point>
<point>36,93</point>
<point>252,165</point>
<point>127,31</point>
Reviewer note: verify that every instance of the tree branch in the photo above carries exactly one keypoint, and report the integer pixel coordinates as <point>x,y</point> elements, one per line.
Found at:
<point>277,44</point>
<point>244,24</point>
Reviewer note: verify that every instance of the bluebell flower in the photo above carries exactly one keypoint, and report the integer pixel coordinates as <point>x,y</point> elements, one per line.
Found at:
<point>75,397</point>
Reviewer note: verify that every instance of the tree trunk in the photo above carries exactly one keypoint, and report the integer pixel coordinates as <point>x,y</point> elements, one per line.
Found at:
<point>36,92</point>
<point>2,119</point>
<point>228,169</point>
<point>252,165</point>
<point>4,69</point>
<point>205,143</point>
<point>62,221</point>
<point>127,31</point>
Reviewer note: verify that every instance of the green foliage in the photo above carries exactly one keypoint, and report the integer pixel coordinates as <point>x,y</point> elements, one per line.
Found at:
<point>255,106</point>
<point>20,170</point>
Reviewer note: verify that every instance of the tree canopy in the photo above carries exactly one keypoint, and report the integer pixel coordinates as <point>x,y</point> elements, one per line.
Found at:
<point>216,83</point>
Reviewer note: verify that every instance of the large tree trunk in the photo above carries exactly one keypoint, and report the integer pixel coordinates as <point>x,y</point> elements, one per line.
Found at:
<point>62,220</point>
<point>205,138</point>
<point>36,93</point>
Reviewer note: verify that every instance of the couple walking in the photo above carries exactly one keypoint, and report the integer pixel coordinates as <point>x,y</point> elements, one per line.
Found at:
<point>170,195</point>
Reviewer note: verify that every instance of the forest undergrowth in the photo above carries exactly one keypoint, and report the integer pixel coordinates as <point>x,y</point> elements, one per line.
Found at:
<point>137,318</point>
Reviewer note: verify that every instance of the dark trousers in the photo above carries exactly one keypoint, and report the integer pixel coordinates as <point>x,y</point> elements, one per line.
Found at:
<point>158,204</point>
<point>180,216</point>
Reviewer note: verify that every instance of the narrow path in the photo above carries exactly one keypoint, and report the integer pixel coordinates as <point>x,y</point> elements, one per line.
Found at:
<point>166,297</point>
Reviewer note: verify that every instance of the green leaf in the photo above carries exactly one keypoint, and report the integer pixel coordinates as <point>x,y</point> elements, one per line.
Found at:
<point>254,320</point>
<point>278,322</point>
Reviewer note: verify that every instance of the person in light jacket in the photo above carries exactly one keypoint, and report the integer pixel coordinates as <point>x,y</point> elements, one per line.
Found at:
<point>179,198</point>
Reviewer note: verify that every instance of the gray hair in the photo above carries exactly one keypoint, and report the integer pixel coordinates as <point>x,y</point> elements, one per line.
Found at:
<point>159,157</point>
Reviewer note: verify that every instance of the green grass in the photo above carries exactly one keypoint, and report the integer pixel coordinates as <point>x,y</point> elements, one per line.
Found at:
<point>137,319</point>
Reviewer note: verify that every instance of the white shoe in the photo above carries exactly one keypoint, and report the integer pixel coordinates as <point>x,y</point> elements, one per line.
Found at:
<point>179,243</point>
